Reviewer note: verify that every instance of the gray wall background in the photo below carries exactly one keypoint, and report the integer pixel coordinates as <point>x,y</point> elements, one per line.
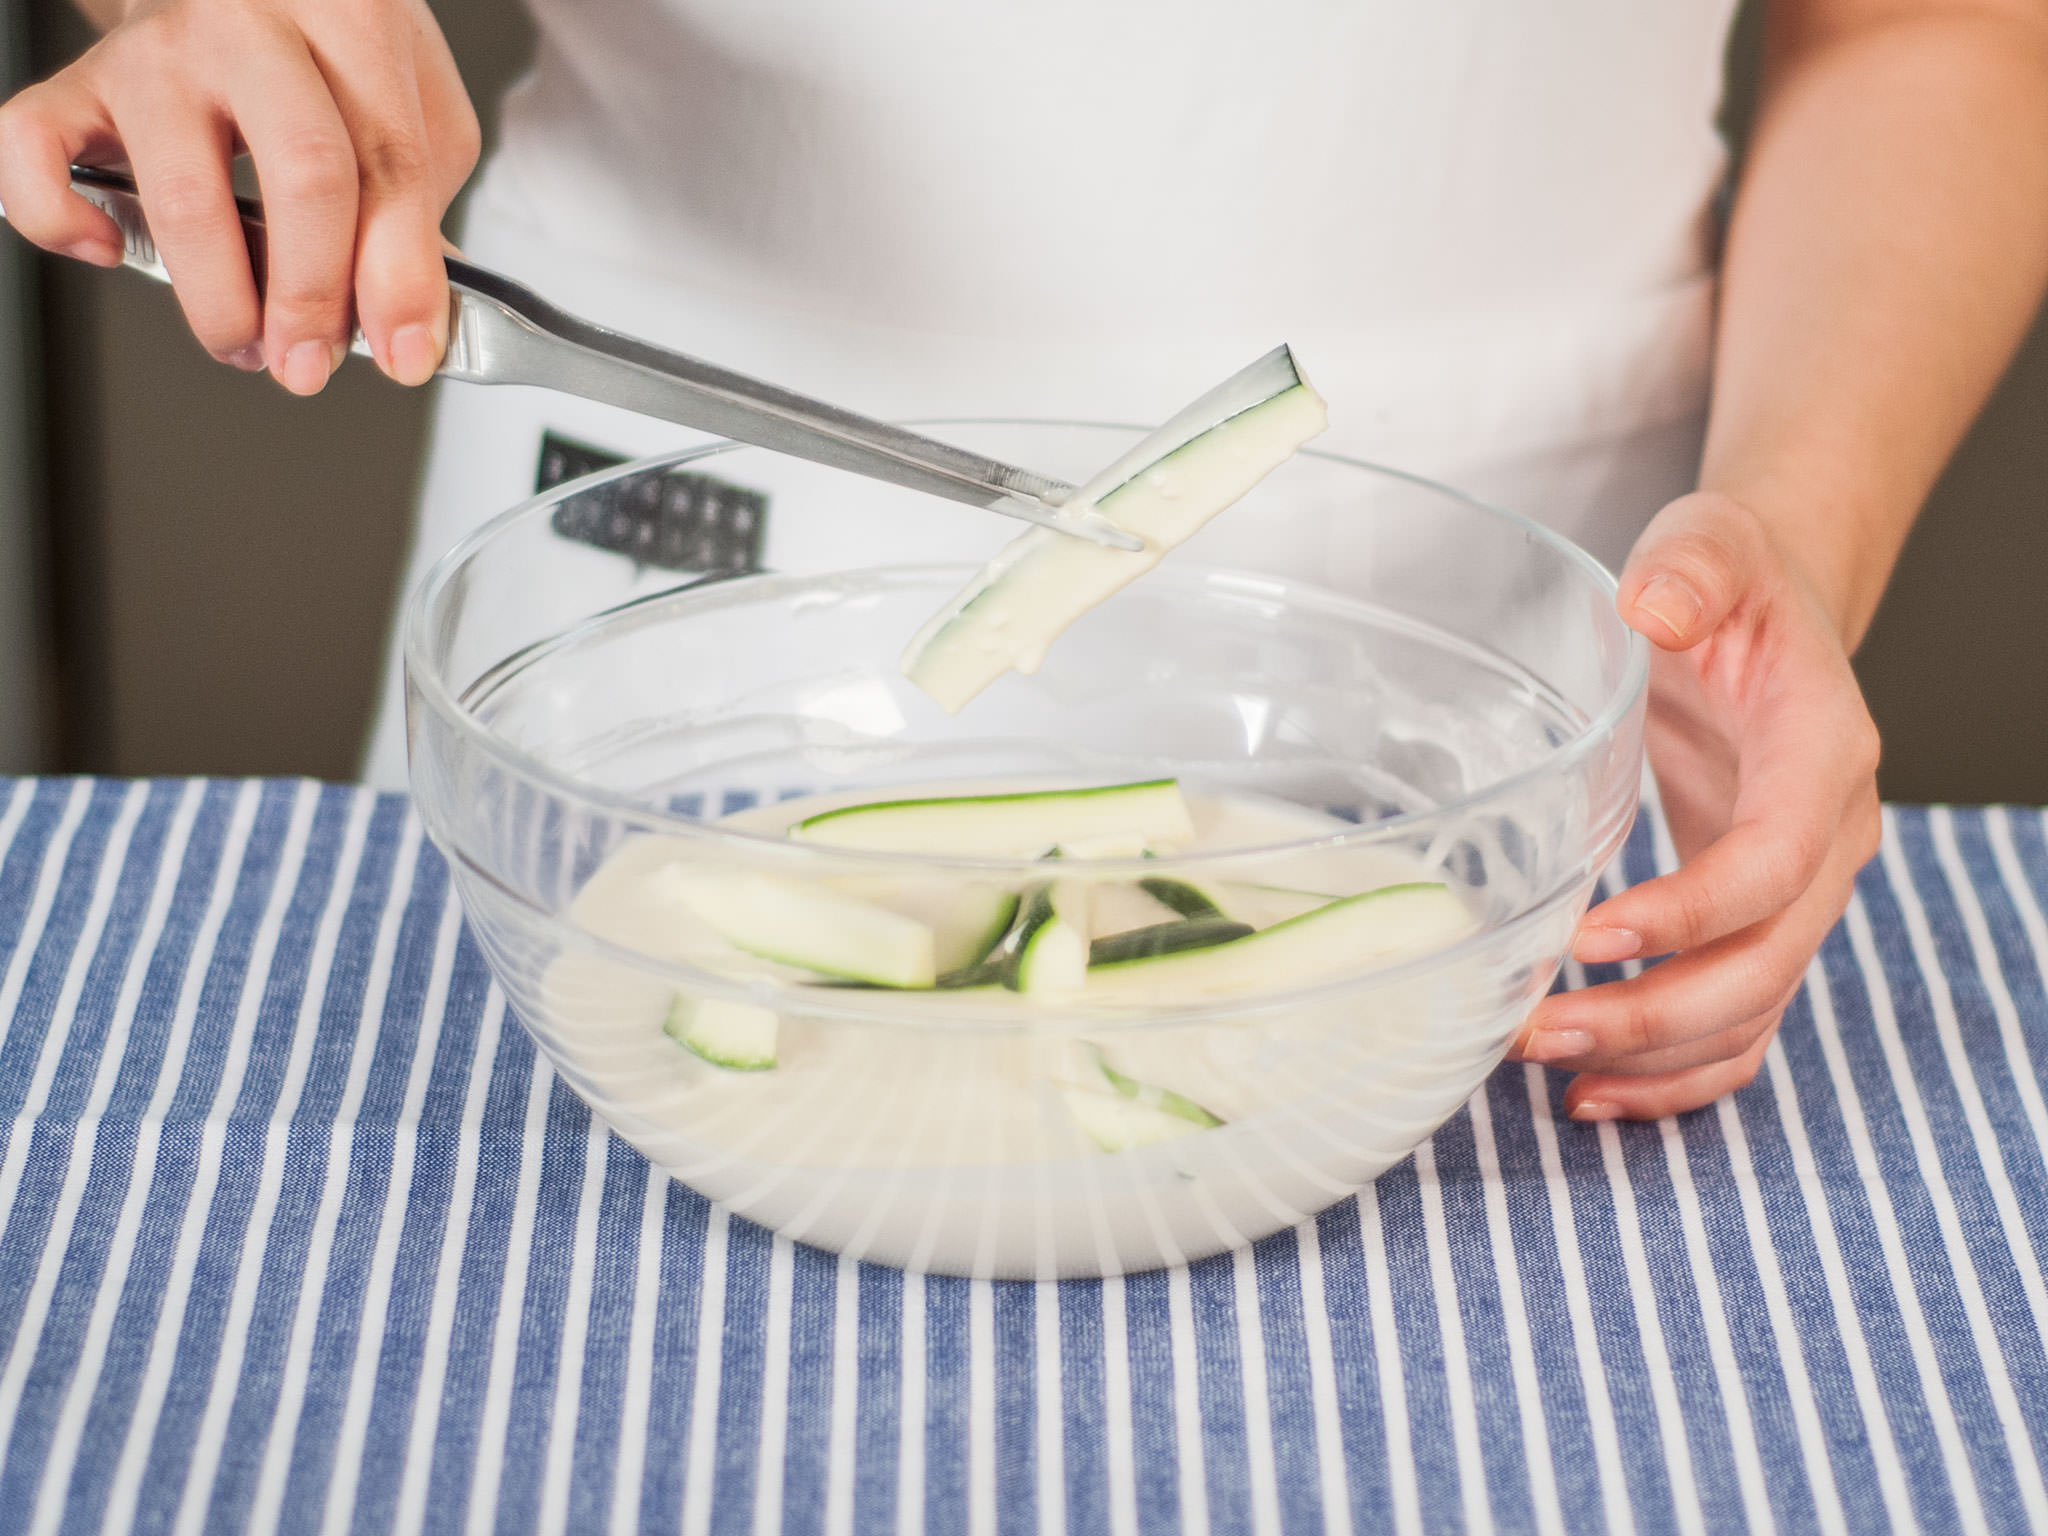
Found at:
<point>21,704</point>
<point>221,557</point>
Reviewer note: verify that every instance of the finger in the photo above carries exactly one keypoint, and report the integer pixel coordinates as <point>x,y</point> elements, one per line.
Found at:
<point>306,167</point>
<point>401,278</point>
<point>1723,1045</point>
<point>1689,569</point>
<point>454,137</point>
<point>1809,782</point>
<point>401,285</point>
<point>43,130</point>
<point>1594,1097</point>
<point>1686,1002</point>
<point>183,157</point>
<point>1659,1022</point>
<point>1701,992</point>
<point>1691,997</point>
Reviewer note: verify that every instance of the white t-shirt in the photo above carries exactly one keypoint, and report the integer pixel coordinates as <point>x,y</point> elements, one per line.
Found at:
<point>1486,230</point>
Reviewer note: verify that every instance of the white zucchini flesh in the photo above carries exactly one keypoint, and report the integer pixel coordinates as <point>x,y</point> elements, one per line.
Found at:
<point>967,920</point>
<point>1052,954</point>
<point>1074,901</point>
<point>1263,906</point>
<point>1011,826</point>
<point>1053,960</point>
<point>1155,1097</point>
<point>973,928</point>
<point>810,926</point>
<point>1114,845</point>
<point>737,1036</point>
<point>1339,938</point>
<point>1118,1113</point>
<point>1117,1124</point>
<point>1041,582</point>
<point>1266,906</point>
<point>1120,907</point>
<point>1123,905</point>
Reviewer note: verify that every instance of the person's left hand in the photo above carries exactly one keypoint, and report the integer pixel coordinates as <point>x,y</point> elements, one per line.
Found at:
<point>1767,762</point>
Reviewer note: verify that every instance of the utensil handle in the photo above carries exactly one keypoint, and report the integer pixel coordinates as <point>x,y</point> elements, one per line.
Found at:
<point>504,333</point>
<point>115,195</point>
<point>500,332</point>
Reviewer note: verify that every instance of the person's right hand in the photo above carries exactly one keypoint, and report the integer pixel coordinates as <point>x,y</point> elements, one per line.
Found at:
<point>360,132</point>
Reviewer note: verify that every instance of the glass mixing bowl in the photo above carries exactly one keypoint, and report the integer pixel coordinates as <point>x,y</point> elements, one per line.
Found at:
<point>1424,683</point>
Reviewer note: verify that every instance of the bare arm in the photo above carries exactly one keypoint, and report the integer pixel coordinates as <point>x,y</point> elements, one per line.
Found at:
<point>1889,245</point>
<point>1890,241</point>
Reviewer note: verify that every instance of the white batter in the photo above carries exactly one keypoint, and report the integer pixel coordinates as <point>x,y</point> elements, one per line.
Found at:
<point>931,1129</point>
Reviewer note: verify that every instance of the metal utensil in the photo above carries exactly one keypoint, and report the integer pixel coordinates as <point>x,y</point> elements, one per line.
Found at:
<point>502,333</point>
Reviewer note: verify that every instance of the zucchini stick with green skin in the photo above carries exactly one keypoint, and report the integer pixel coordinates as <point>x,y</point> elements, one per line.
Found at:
<point>967,920</point>
<point>1123,1114</point>
<point>1164,491</point>
<point>1166,939</point>
<point>1262,906</point>
<point>1266,906</point>
<point>1335,939</point>
<point>997,922</point>
<point>737,1036</point>
<point>1052,950</point>
<point>1187,900</point>
<point>1117,1124</point>
<point>1016,826</point>
<point>807,925</point>
<point>1162,1098</point>
<point>1045,953</point>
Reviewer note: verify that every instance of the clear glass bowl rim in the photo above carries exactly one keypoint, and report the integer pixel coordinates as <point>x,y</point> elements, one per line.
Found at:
<point>434,691</point>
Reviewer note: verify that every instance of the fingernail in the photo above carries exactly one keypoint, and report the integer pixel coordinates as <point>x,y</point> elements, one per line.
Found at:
<point>306,367</point>
<point>338,353</point>
<point>1604,946</point>
<point>1556,1045</point>
<point>1594,1109</point>
<point>101,253</point>
<point>1671,603</point>
<point>249,359</point>
<point>414,356</point>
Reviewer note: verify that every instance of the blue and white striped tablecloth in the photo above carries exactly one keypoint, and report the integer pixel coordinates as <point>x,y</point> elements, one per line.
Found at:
<point>298,1235</point>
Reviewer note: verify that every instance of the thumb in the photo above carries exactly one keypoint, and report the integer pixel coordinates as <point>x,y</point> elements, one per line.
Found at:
<point>1689,569</point>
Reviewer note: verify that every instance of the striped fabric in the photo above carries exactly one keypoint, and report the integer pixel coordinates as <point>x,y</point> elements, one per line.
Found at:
<point>298,1235</point>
